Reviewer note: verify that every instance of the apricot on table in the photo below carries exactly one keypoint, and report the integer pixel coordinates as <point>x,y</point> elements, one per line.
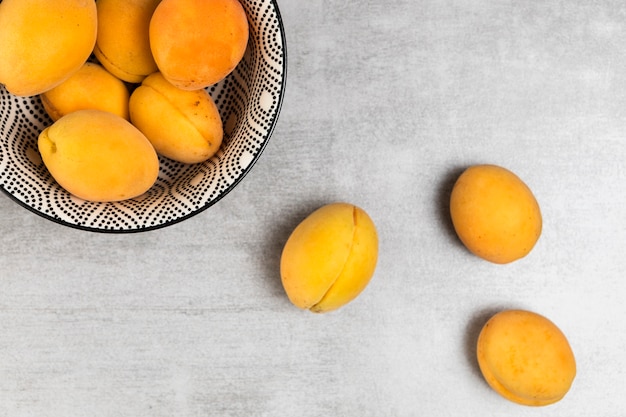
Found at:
<point>42,42</point>
<point>525,358</point>
<point>98,156</point>
<point>495,214</point>
<point>91,87</point>
<point>182,125</point>
<point>329,258</point>
<point>197,43</point>
<point>123,42</point>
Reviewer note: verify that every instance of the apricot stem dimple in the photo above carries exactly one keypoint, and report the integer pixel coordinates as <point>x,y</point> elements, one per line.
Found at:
<point>45,139</point>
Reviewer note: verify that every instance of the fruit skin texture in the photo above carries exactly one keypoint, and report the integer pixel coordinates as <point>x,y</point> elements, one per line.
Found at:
<point>495,214</point>
<point>123,42</point>
<point>197,43</point>
<point>92,87</point>
<point>98,156</point>
<point>526,358</point>
<point>329,258</point>
<point>182,125</point>
<point>42,43</point>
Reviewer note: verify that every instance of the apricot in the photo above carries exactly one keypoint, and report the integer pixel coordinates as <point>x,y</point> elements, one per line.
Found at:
<point>123,42</point>
<point>98,156</point>
<point>329,258</point>
<point>495,214</point>
<point>525,358</point>
<point>182,125</point>
<point>42,42</point>
<point>92,87</point>
<point>197,43</point>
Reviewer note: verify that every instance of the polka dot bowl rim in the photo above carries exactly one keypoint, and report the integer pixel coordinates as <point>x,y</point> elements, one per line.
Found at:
<point>249,100</point>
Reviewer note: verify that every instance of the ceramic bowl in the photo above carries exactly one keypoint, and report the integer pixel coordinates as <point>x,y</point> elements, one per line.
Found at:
<point>249,101</point>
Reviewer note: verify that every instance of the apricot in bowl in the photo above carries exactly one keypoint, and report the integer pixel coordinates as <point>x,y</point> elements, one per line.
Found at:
<point>42,43</point>
<point>99,156</point>
<point>182,125</point>
<point>123,43</point>
<point>248,100</point>
<point>90,88</point>
<point>196,43</point>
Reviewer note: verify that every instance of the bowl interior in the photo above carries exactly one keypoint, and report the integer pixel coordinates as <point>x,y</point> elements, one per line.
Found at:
<point>249,101</point>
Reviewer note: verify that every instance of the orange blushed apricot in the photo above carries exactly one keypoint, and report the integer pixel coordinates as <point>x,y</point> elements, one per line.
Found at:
<point>197,43</point>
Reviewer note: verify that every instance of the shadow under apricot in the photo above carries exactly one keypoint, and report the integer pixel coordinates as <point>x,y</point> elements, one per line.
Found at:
<point>277,237</point>
<point>444,190</point>
<point>472,331</point>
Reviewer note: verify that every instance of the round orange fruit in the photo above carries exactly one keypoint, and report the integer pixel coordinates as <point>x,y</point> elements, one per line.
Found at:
<point>495,214</point>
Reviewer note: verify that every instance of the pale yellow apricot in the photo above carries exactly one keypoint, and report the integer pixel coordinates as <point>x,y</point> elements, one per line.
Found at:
<point>91,87</point>
<point>197,43</point>
<point>123,43</point>
<point>182,125</point>
<point>42,42</point>
<point>98,156</point>
<point>329,258</point>
<point>525,358</point>
<point>495,214</point>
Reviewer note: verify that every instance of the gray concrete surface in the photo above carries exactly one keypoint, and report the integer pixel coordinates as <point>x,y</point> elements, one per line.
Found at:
<point>386,101</point>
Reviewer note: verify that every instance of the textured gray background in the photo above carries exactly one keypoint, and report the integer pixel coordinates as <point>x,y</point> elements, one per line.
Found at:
<point>386,101</point>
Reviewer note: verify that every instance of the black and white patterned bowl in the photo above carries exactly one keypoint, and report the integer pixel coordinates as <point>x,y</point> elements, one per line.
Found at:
<point>249,101</point>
